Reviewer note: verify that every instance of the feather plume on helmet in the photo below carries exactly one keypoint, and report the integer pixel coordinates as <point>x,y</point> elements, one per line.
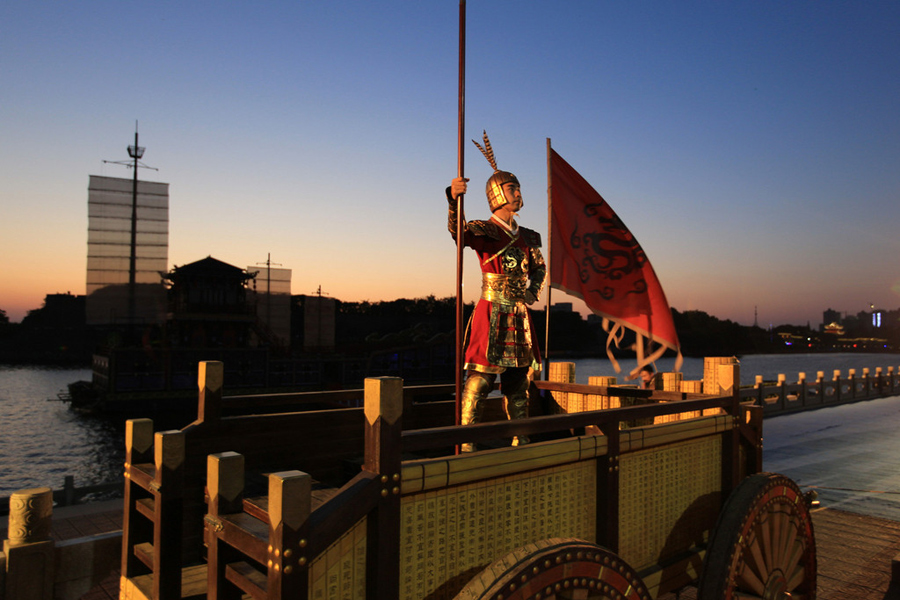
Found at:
<point>494,187</point>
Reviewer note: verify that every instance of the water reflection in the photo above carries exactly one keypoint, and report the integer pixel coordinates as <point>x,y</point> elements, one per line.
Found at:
<point>43,441</point>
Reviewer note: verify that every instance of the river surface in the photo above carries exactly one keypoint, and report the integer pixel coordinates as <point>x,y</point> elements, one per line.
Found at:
<point>850,454</point>
<point>42,441</point>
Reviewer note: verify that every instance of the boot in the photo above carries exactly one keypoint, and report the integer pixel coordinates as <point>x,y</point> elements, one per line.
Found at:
<point>478,386</point>
<point>515,388</point>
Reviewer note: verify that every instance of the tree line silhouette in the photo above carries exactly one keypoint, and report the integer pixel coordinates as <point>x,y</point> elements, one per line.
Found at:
<point>57,333</point>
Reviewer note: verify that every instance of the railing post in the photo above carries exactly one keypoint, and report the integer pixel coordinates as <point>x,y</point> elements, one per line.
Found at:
<point>384,416</point>
<point>210,378</point>
<point>169,456</point>
<point>562,372</point>
<point>729,383</point>
<point>837,385</point>
<point>820,382</point>
<point>760,394</point>
<point>135,529</point>
<point>225,483</point>
<point>711,384</point>
<point>801,381</point>
<point>782,394</point>
<point>290,503</point>
<point>867,383</point>
<point>879,380</point>
<point>29,549</point>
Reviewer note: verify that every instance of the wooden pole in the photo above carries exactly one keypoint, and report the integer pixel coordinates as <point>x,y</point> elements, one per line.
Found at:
<point>548,263</point>
<point>460,219</point>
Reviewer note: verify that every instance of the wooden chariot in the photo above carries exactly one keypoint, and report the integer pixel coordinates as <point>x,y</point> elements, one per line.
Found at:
<point>623,493</point>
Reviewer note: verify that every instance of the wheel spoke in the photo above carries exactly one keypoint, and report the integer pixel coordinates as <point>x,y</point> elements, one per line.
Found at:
<point>793,561</point>
<point>766,541</point>
<point>751,580</point>
<point>787,534</point>
<point>796,576</point>
<point>793,537</point>
<point>774,537</point>
<point>769,542</point>
<point>753,557</point>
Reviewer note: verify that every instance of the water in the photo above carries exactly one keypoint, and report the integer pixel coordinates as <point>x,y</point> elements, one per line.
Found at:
<point>849,454</point>
<point>42,441</point>
<point>853,447</point>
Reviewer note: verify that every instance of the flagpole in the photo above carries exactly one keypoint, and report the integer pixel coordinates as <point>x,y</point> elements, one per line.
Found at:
<point>548,263</point>
<point>460,219</point>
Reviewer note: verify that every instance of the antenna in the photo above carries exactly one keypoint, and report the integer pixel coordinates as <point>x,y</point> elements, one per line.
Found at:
<point>269,264</point>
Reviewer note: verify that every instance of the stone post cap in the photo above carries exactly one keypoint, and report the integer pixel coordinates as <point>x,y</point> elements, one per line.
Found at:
<point>30,515</point>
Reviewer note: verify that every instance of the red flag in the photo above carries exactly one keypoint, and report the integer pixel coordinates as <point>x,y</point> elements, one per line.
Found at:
<point>594,256</point>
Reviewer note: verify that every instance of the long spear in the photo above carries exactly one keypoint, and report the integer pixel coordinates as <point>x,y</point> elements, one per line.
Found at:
<point>460,230</point>
<point>549,265</point>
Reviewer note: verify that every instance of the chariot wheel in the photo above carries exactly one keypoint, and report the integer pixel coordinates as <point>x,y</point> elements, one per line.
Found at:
<point>763,546</point>
<point>557,568</point>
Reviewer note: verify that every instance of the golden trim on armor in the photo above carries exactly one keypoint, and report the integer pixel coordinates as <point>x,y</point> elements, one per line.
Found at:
<point>497,288</point>
<point>500,253</point>
<point>510,337</point>
<point>483,368</point>
<point>539,272</point>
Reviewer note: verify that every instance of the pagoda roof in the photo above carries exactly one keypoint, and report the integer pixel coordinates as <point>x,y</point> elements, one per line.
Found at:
<point>210,266</point>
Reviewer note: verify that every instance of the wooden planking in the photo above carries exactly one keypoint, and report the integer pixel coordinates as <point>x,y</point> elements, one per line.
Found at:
<point>855,554</point>
<point>193,585</point>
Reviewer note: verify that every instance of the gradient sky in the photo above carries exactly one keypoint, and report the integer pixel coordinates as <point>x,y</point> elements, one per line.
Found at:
<point>753,148</point>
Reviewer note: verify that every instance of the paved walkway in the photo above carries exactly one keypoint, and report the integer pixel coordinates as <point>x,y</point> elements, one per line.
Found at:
<point>70,522</point>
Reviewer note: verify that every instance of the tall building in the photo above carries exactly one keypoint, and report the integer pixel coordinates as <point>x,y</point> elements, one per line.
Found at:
<point>128,251</point>
<point>271,293</point>
<point>831,316</point>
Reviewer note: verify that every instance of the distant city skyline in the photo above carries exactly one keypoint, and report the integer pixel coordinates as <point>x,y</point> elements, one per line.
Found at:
<point>828,315</point>
<point>751,148</point>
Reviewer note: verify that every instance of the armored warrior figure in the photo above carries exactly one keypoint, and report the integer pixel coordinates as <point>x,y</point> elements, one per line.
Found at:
<point>500,336</point>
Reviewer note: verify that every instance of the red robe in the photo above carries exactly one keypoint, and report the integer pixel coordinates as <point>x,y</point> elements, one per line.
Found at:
<point>501,334</point>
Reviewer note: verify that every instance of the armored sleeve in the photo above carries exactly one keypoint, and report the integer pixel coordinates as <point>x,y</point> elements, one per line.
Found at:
<point>451,214</point>
<point>471,228</point>
<point>537,272</point>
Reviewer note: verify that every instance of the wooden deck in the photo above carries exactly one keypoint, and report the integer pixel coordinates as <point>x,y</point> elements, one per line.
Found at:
<point>855,553</point>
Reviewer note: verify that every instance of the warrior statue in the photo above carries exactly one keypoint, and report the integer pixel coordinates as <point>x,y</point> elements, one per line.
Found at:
<point>500,336</point>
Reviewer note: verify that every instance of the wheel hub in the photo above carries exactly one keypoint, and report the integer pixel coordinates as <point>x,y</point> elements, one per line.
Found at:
<point>776,586</point>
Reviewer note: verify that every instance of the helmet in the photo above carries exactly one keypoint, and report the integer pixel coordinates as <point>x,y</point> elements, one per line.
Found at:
<point>494,188</point>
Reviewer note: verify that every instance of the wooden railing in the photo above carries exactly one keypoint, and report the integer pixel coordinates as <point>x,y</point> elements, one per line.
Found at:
<point>267,548</point>
<point>782,397</point>
<point>269,442</point>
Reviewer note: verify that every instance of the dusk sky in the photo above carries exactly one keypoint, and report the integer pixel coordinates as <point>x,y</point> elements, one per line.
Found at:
<point>752,147</point>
